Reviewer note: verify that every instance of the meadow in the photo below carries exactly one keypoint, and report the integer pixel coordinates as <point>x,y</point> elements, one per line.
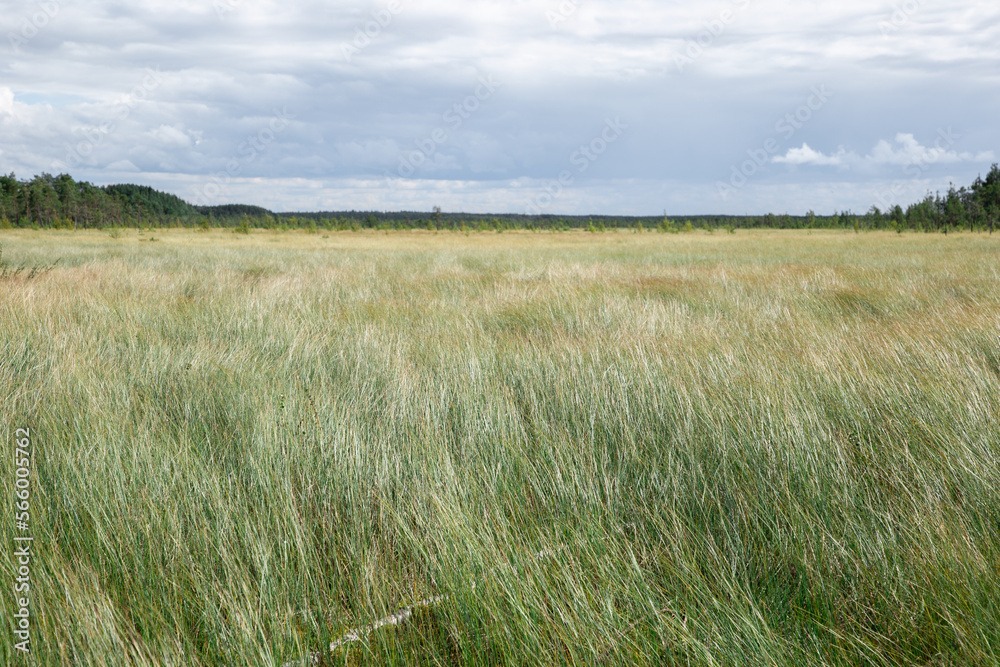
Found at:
<point>760,448</point>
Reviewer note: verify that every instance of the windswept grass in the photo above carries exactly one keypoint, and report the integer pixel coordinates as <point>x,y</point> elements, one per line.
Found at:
<point>758,449</point>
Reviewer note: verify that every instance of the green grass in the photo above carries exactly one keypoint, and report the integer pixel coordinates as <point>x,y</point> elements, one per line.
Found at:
<point>751,449</point>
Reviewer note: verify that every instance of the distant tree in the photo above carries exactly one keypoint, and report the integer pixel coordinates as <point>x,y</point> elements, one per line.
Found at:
<point>9,196</point>
<point>898,218</point>
<point>954,211</point>
<point>987,193</point>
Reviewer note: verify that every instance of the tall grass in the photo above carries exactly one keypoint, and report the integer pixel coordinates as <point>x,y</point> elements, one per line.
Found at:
<point>758,449</point>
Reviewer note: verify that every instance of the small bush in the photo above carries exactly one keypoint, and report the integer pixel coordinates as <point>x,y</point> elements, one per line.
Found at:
<point>667,226</point>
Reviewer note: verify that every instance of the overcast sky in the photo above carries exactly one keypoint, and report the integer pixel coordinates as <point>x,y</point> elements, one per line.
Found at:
<point>586,107</point>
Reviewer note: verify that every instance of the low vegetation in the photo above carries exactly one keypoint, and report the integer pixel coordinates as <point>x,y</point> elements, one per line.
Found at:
<point>763,448</point>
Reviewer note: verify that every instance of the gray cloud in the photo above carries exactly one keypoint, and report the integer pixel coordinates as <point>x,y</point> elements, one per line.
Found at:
<point>702,87</point>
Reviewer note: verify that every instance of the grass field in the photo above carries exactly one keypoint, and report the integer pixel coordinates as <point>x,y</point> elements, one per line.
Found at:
<point>754,449</point>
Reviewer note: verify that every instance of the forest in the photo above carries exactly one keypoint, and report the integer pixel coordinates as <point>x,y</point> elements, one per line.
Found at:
<point>60,202</point>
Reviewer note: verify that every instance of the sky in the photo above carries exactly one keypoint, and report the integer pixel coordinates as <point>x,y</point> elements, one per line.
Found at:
<point>507,106</point>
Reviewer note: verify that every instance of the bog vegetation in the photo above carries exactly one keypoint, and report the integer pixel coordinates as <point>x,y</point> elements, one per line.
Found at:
<point>59,202</point>
<point>768,448</point>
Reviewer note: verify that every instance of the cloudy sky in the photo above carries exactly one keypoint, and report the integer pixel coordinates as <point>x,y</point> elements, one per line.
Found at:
<point>560,106</point>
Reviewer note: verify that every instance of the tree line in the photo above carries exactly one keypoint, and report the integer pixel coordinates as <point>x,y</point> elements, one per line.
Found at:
<point>60,202</point>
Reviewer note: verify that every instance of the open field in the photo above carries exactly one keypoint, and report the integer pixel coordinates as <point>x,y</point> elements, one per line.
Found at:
<point>755,449</point>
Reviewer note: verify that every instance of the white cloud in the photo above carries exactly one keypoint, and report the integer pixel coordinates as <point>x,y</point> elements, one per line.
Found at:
<point>171,136</point>
<point>905,151</point>
<point>807,155</point>
<point>6,101</point>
